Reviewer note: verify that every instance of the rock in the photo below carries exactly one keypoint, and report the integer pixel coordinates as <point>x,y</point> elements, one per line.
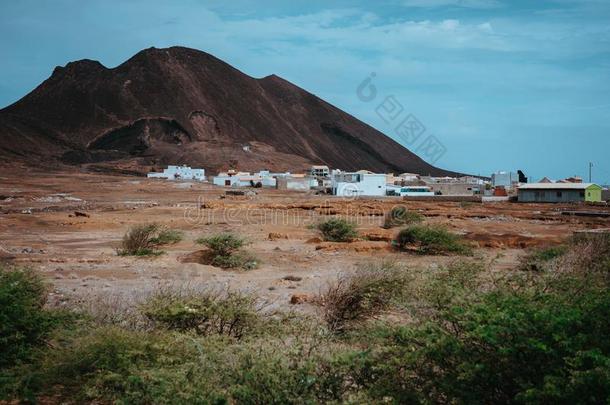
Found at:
<point>293,278</point>
<point>276,236</point>
<point>297,299</point>
<point>81,214</point>
<point>380,236</point>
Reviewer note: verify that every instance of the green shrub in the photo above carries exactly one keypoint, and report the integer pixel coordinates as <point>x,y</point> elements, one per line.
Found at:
<point>145,240</point>
<point>26,327</point>
<point>205,313</point>
<point>503,347</point>
<point>167,237</point>
<point>538,260</point>
<point>337,230</point>
<point>225,252</point>
<point>357,297</point>
<point>400,215</point>
<point>431,240</point>
<point>24,323</point>
<point>116,366</point>
<point>449,286</point>
<point>119,366</point>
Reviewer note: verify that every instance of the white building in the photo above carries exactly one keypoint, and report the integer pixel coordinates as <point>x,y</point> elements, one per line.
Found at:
<point>358,184</point>
<point>179,173</point>
<point>406,177</point>
<point>264,178</point>
<point>299,183</point>
<point>319,171</point>
<point>504,179</point>
<point>233,179</point>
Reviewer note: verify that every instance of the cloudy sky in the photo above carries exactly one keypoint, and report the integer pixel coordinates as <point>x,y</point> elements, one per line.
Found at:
<point>504,85</point>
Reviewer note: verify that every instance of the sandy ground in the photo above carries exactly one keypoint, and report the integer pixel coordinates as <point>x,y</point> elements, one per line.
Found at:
<point>39,228</point>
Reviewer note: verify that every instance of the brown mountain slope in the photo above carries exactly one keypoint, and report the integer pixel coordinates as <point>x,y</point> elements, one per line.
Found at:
<point>179,105</point>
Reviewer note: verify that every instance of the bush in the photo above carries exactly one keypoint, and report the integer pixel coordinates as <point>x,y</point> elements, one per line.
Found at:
<point>26,327</point>
<point>337,230</point>
<point>471,339</point>
<point>590,252</point>
<point>116,366</point>
<point>24,323</point>
<point>502,347</point>
<point>225,252</point>
<point>204,313</point>
<point>431,240</point>
<point>538,260</point>
<point>119,366</point>
<point>355,298</point>
<point>144,240</point>
<point>399,215</point>
<point>449,286</point>
<point>167,237</point>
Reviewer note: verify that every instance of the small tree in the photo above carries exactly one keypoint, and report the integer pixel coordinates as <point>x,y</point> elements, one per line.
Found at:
<point>431,240</point>
<point>357,297</point>
<point>145,239</point>
<point>24,323</point>
<point>337,230</point>
<point>225,251</point>
<point>399,215</point>
<point>205,313</point>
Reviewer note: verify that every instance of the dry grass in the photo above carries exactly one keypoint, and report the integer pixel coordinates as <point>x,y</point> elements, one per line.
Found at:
<point>357,297</point>
<point>145,240</point>
<point>400,215</point>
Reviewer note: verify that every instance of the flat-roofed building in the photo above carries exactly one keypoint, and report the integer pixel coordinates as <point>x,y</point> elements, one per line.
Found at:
<point>560,192</point>
<point>358,184</point>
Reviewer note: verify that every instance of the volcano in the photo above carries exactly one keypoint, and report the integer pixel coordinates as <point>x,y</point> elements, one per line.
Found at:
<point>183,106</point>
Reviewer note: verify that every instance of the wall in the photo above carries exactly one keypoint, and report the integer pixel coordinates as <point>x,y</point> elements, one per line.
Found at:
<point>447,198</point>
<point>504,179</point>
<point>593,194</point>
<point>550,196</point>
<point>220,180</point>
<point>454,188</point>
<point>370,185</point>
<point>299,184</point>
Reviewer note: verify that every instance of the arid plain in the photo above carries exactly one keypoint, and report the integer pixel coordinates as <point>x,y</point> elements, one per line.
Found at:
<point>69,224</point>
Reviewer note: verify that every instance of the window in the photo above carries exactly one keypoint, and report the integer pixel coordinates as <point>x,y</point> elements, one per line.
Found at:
<point>559,194</point>
<point>582,193</point>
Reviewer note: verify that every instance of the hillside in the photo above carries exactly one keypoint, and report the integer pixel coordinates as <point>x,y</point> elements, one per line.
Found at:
<point>180,105</point>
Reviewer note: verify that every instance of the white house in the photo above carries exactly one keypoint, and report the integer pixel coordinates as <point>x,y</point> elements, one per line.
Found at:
<point>504,179</point>
<point>299,183</point>
<point>358,184</point>
<point>232,179</point>
<point>319,171</point>
<point>245,179</point>
<point>179,173</point>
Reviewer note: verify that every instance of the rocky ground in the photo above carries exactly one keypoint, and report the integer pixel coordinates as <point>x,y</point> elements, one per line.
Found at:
<point>68,225</point>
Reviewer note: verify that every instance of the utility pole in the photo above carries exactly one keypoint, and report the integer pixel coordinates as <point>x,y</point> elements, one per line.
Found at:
<point>590,168</point>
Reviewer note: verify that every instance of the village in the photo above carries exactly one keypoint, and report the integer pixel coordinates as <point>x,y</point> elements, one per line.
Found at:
<point>500,186</point>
